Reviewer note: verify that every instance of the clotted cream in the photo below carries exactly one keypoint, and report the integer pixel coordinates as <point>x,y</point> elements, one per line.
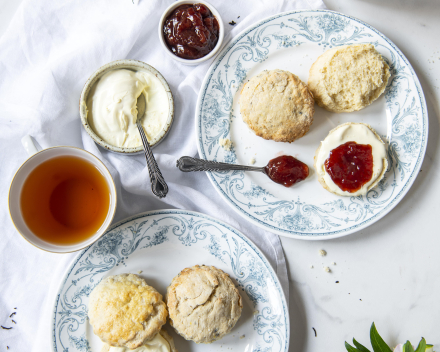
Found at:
<point>112,111</point>
<point>157,344</point>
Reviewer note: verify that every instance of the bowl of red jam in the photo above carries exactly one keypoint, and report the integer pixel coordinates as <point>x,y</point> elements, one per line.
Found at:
<point>191,31</point>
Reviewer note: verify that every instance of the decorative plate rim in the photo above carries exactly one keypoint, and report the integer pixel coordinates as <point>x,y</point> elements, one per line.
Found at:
<point>242,236</point>
<point>329,234</point>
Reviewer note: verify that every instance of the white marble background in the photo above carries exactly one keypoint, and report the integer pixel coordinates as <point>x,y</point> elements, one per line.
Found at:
<point>388,273</point>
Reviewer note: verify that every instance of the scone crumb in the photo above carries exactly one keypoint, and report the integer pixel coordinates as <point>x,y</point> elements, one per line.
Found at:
<point>334,263</point>
<point>140,271</point>
<point>256,312</point>
<point>252,161</point>
<point>327,269</point>
<point>322,253</point>
<point>225,143</point>
<point>242,337</point>
<point>311,266</point>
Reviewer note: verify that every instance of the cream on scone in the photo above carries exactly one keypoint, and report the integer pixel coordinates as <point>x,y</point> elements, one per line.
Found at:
<point>126,312</point>
<point>203,303</point>
<point>359,133</point>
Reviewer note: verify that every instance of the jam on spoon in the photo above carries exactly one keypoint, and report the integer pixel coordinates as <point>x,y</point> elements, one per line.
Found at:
<point>285,169</point>
<point>350,166</point>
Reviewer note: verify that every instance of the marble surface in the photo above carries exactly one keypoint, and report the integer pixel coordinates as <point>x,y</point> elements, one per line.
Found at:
<point>388,272</point>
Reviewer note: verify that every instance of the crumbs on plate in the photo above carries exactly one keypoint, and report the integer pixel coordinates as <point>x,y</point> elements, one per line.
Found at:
<point>225,143</point>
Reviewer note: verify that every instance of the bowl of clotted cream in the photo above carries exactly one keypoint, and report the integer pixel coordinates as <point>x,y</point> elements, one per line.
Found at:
<point>108,106</point>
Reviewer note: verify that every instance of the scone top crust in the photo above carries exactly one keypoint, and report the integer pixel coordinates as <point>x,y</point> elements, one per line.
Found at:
<point>126,312</point>
<point>348,78</point>
<point>277,105</point>
<point>204,304</point>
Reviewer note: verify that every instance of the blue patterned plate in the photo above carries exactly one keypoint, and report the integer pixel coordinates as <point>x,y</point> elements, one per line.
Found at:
<point>293,41</point>
<point>157,246</point>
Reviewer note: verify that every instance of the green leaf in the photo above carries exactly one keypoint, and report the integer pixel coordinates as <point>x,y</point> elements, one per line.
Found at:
<point>422,345</point>
<point>377,342</point>
<point>407,347</point>
<point>350,348</point>
<point>360,347</point>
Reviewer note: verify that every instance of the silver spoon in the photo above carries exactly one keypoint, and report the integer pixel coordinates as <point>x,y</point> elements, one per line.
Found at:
<point>188,164</point>
<point>279,170</point>
<point>158,185</point>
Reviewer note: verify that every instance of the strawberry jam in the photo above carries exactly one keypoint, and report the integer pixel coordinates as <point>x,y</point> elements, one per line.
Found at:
<point>350,166</point>
<point>191,31</point>
<point>286,170</point>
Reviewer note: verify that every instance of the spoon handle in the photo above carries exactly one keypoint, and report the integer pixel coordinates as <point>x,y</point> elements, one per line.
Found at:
<point>188,164</point>
<point>158,185</point>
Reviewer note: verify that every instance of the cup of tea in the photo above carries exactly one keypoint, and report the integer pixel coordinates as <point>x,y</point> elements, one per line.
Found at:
<point>62,199</point>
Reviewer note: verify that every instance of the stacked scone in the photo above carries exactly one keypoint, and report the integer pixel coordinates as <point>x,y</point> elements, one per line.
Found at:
<point>127,314</point>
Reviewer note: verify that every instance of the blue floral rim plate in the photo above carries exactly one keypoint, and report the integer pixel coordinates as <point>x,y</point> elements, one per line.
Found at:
<point>292,41</point>
<point>157,245</point>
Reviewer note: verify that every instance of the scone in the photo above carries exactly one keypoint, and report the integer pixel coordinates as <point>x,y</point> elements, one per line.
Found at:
<point>204,304</point>
<point>344,182</point>
<point>277,105</point>
<point>348,78</point>
<point>162,342</point>
<point>126,312</point>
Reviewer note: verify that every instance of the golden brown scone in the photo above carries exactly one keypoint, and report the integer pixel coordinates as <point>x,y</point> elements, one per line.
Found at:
<point>157,341</point>
<point>204,304</point>
<point>348,78</point>
<point>126,312</point>
<point>277,105</point>
<point>363,134</point>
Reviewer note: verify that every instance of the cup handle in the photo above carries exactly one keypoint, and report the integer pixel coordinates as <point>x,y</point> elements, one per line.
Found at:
<point>30,145</point>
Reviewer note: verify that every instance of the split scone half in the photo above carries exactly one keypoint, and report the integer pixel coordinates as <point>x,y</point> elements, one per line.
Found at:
<point>348,78</point>
<point>203,303</point>
<point>351,160</point>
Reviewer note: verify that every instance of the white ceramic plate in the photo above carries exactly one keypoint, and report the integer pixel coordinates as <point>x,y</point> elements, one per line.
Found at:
<point>161,244</point>
<point>293,41</point>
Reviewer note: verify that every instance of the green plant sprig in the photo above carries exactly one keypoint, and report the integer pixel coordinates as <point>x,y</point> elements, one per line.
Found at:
<point>379,344</point>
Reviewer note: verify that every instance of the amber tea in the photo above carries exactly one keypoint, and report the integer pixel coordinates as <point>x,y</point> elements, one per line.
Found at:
<point>65,200</point>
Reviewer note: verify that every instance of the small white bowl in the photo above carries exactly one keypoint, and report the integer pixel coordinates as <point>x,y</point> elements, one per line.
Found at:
<point>220,37</point>
<point>134,66</point>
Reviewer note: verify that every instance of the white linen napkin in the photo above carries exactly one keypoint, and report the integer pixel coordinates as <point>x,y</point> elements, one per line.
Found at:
<point>46,55</point>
